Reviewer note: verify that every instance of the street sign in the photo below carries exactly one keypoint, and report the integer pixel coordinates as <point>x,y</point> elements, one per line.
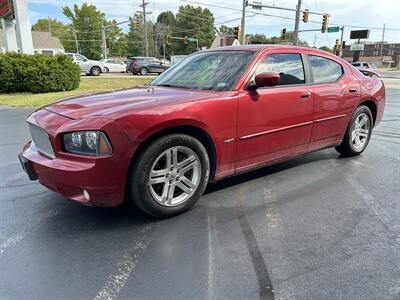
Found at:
<point>357,47</point>
<point>6,8</point>
<point>334,29</point>
<point>359,34</point>
<point>256,5</point>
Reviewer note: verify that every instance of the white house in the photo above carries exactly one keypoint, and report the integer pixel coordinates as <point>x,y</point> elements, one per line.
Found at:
<point>43,43</point>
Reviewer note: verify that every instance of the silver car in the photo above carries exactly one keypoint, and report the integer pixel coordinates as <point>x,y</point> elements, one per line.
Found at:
<point>90,67</point>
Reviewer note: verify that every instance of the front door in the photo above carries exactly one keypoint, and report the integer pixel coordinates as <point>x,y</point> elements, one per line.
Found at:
<point>275,122</point>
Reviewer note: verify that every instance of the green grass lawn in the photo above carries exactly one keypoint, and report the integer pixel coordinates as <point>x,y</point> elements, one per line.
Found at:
<point>88,85</point>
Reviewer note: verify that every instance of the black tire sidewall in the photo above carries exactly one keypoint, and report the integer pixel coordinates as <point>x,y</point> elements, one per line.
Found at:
<point>138,180</point>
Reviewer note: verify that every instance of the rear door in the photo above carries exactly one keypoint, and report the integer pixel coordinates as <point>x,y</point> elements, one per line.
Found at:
<point>275,122</point>
<point>336,92</point>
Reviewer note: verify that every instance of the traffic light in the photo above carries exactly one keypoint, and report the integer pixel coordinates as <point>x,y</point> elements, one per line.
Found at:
<point>306,15</point>
<point>236,32</point>
<point>168,36</point>
<point>343,45</point>
<point>337,44</point>
<point>325,19</point>
<point>283,34</point>
<point>185,40</point>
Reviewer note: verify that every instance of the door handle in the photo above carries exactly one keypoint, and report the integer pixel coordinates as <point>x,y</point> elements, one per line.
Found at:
<point>353,90</point>
<point>305,97</point>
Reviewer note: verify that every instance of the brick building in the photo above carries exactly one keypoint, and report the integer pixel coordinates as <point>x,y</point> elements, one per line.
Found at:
<point>390,56</point>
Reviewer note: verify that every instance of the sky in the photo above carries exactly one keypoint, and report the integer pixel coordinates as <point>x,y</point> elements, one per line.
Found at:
<point>367,14</point>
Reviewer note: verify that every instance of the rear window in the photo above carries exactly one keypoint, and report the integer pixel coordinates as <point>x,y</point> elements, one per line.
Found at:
<point>356,64</point>
<point>325,70</point>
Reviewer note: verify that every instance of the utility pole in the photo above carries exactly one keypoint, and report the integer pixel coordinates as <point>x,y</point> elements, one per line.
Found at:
<point>103,38</point>
<point>297,24</point>
<point>315,39</point>
<point>146,42</point>
<point>341,42</point>
<point>243,23</point>
<point>383,38</point>
<point>49,25</point>
<point>76,42</point>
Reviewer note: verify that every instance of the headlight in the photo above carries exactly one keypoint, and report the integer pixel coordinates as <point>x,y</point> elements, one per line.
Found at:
<point>87,143</point>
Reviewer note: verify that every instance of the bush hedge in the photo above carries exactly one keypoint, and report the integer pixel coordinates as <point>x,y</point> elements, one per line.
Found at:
<point>37,73</point>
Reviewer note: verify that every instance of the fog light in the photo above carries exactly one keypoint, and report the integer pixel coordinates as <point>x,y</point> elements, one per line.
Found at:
<point>86,195</point>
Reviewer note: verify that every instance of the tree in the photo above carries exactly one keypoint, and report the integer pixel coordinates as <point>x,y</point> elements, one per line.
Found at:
<point>117,42</point>
<point>136,43</point>
<point>225,30</point>
<point>261,38</point>
<point>57,29</point>
<point>166,18</point>
<point>193,22</point>
<point>87,21</point>
<point>325,48</point>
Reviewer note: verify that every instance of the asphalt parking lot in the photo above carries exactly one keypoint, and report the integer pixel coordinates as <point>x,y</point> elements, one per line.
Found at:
<point>315,227</point>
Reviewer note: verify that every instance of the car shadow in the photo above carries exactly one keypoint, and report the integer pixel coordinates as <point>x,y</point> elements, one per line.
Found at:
<point>272,169</point>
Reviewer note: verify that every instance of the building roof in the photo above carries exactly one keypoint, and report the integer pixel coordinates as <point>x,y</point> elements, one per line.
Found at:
<point>41,40</point>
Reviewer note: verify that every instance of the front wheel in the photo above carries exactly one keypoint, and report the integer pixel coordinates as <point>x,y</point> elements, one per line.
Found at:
<point>143,71</point>
<point>169,176</point>
<point>358,133</point>
<point>95,71</point>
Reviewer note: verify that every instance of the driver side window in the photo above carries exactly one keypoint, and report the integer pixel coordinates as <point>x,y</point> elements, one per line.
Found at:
<point>289,66</point>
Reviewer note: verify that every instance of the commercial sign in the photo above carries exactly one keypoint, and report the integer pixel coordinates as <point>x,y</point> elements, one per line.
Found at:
<point>6,8</point>
<point>359,34</point>
<point>357,47</point>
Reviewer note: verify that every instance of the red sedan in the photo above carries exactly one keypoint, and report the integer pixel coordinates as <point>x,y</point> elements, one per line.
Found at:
<point>218,113</point>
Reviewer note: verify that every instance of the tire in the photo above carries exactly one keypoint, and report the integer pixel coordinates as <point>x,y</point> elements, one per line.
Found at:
<point>95,71</point>
<point>143,71</point>
<point>106,70</point>
<point>152,181</point>
<point>356,138</point>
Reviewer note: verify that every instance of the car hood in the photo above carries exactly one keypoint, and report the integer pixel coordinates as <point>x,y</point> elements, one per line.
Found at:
<point>123,101</point>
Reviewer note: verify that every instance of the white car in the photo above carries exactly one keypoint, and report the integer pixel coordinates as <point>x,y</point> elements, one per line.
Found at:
<point>362,65</point>
<point>90,67</point>
<point>113,66</point>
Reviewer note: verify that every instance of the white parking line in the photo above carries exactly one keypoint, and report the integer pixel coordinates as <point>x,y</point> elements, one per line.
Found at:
<point>117,280</point>
<point>15,239</point>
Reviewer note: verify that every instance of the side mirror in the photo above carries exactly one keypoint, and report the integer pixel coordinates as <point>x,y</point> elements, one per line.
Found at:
<point>267,79</point>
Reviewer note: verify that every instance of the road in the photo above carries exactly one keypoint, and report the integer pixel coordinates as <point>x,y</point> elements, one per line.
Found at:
<point>315,227</point>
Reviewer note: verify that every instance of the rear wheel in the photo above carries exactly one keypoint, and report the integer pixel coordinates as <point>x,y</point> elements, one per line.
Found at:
<point>170,175</point>
<point>358,132</point>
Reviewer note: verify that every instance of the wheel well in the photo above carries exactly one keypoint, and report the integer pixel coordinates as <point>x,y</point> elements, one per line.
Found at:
<point>193,131</point>
<point>372,106</point>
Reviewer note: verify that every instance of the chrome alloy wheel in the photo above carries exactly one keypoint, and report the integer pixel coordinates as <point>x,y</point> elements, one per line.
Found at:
<point>174,176</point>
<point>360,133</point>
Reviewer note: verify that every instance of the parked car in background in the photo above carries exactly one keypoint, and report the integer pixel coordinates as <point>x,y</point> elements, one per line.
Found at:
<point>113,65</point>
<point>144,65</point>
<point>363,65</point>
<point>217,113</point>
<point>90,67</point>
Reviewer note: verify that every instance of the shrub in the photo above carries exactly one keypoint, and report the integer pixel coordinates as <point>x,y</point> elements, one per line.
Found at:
<point>37,73</point>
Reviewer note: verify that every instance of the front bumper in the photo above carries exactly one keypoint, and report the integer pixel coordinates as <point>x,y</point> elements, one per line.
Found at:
<point>89,183</point>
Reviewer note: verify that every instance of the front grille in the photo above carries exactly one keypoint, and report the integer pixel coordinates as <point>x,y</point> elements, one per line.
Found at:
<point>41,140</point>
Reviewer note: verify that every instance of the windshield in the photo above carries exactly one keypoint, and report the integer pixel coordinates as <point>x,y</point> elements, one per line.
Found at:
<point>217,71</point>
